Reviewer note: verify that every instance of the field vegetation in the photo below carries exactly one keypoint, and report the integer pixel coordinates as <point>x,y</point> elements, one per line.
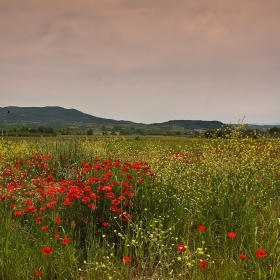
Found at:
<point>151,208</point>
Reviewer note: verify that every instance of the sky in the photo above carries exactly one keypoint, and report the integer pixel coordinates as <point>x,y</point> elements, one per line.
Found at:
<point>145,61</point>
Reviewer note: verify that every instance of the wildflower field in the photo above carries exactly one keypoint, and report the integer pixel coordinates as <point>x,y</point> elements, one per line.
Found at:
<point>162,208</point>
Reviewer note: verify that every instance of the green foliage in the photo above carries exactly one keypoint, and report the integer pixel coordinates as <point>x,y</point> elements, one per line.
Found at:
<point>230,132</point>
<point>228,185</point>
<point>274,131</point>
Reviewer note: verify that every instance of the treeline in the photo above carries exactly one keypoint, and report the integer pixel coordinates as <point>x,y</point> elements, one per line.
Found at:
<point>143,132</point>
<point>226,132</point>
<point>44,131</point>
<point>54,131</point>
<point>241,132</point>
<point>114,130</point>
<point>28,131</point>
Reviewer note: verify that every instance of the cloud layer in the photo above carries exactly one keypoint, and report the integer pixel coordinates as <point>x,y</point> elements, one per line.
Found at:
<point>145,61</point>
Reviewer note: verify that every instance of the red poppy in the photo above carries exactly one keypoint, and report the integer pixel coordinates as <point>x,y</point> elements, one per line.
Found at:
<point>58,220</point>
<point>105,224</point>
<point>86,199</point>
<point>129,203</point>
<point>126,259</point>
<point>28,201</point>
<point>51,204</point>
<point>30,208</point>
<point>261,253</point>
<point>47,250</point>
<point>67,201</point>
<point>203,264</point>
<point>110,195</point>
<point>115,202</point>
<point>38,272</point>
<point>113,208</point>
<point>243,257</point>
<point>231,234</point>
<point>57,235</point>
<point>65,240</point>
<point>17,213</point>
<point>125,216</point>
<point>181,248</point>
<point>44,227</point>
<point>201,228</point>
<point>91,206</point>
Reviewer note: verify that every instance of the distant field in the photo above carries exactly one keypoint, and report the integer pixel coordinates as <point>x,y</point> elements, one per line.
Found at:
<point>139,208</point>
<point>97,137</point>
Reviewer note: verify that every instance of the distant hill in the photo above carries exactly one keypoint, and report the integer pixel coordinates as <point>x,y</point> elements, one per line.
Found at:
<point>54,116</point>
<point>262,127</point>
<point>58,116</point>
<point>25,118</point>
<point>189,124</point>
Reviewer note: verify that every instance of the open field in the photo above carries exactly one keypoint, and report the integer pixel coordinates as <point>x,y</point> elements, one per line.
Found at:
<point>155,208</point>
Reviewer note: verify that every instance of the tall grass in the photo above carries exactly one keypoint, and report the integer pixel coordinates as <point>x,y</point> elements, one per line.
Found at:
<point>134,209</point>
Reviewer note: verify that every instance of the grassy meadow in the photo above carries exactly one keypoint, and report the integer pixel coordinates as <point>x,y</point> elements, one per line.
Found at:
<point>154,208</point>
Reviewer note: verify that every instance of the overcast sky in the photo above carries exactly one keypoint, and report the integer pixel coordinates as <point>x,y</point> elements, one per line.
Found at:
<point>143,60</point>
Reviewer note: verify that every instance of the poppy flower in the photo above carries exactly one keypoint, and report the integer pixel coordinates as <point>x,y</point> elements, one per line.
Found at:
<point>115,202</point>
<point>125,216</point>
<point>44,227</point>
<point>58,220</point>
<point>231,234</point>
<point>38,272</point>
<point>57,235</point>
<point>203,264</point>
<point>67,202</point>
<point>126,259</point>
<point>105,224</point>
<point>261,253</point>
<point>51,204</point>
<point>181,248</point>
<point>30,208</point>
<point>243,257</point>
<point>110,195</point>
<point>129,203</point>
<point>47,250</point>
<point>65,240</point>
<point>91,206</point>
<point>201,228</point>
<point>17,213</point>
<point>113,208</point>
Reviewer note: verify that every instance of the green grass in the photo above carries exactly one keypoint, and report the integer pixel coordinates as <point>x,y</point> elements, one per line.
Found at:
<point>175,185</point>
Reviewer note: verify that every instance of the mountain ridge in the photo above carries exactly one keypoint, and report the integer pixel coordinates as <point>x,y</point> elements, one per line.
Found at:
<point>59,116</point>
<point>50,113</point>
